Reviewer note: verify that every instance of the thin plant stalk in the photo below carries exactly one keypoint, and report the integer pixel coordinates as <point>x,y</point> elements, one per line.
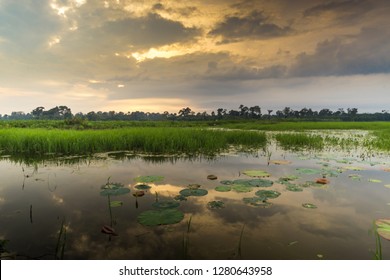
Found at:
<point>239,251</point>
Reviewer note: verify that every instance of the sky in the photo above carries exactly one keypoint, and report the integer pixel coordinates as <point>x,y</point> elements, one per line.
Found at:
<point>156,56</point>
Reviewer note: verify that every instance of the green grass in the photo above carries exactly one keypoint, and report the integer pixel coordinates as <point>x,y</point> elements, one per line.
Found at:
<point>299,141</point>
<point>281,125</point>
<point>153,140</point>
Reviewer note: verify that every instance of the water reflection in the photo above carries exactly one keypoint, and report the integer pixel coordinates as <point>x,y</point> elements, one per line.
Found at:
<point>38,196</point>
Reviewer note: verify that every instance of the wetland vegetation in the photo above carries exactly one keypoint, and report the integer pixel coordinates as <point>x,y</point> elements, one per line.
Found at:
<point>185,189</point>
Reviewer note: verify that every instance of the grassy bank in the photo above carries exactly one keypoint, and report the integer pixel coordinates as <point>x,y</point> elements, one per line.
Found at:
<point>157,140</point>
<point>232,124</point>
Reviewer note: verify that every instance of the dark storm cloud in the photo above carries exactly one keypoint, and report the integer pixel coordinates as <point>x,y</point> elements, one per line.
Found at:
<point>149,31</point>
<point>368,53</point>
<point>349,8</point>
<point>255,25</point>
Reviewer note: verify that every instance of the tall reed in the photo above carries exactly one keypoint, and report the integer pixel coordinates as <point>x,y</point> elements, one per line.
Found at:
<point>154,140</point>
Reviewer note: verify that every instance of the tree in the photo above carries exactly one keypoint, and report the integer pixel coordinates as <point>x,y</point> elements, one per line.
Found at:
<point>38,112</point>
<point>185,112</point>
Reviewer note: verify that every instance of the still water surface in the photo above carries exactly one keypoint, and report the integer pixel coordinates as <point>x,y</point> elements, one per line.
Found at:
<point>35,199</point>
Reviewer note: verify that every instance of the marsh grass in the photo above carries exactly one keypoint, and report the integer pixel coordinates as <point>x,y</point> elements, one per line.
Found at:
<point>299,141</point>
<point>153,140</point>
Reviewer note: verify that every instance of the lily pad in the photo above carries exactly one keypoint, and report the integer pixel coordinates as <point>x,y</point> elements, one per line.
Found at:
<point>241,188</point>
<point>374,180</point>
<point>383,228</point>
<point>355,177</point>
<point>309,205</point>
<point>160,217</point>
<point>287,178</point>
<point>114,189</point>
<point>149,179</point>
<point>268,193</point>
<point>116,203</point>
<point>212,177</point>
<point>308,171</point>
<point>256,173</point>
<point>196,192</point>
<point>167,204</point>
<point>216,204</point>
<point>223,188</point>
<point>257,202</point>
<point>142,187</point>
<point>226,182</point>
<point>294,188</point>
<point>254,182</point>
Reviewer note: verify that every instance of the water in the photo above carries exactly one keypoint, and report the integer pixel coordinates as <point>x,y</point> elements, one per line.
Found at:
<point>36,198</point>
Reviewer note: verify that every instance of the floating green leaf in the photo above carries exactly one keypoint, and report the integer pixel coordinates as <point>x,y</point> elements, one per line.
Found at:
<point>257,202</point>
<point>254,182</point>
<point>114,189</point>
<point>116,203</point>
<point>167,204</point>
<point>383,228</point>
<point>142,187</point>
<point>308,171</point>
<point>256,173</point>
<point>160,217</point>
<point>149,179</point>
<point>355,177</point>
<point>216,204</point>
<point>226,182</point>
<point>241,188</point>
<point>309,205</point>
<point>374,180</point>
<point>196,192</point>
<point>287,178</point>
<point>267,193</point>
<point>293,188</point>
<point>223,188</point>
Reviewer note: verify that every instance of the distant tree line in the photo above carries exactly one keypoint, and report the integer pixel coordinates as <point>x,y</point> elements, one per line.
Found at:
<point>243,112</point>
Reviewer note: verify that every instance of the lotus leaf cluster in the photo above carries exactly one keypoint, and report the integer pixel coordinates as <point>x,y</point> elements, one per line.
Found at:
<point>257,202</point>
<point>216,204</point>
<point>193,192</point>
<point>268,193</point>
<point>114,189</point>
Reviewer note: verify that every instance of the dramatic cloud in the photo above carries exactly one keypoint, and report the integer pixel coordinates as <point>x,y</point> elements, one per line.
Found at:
<point>253,26</point>
<point>134,54</point>
<point>365,54</point>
